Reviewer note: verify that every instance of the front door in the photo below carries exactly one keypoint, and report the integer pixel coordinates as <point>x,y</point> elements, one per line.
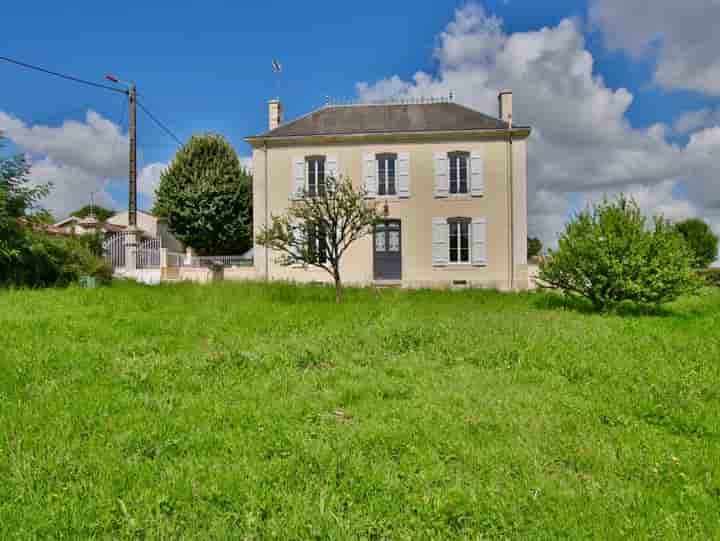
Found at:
<point>387,251</point>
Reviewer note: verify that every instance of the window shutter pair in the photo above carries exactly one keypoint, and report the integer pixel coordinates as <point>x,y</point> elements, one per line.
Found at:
<point>442,170</point>
<point>370,174</point>
<point>300,173</point>
<point>441,241</point>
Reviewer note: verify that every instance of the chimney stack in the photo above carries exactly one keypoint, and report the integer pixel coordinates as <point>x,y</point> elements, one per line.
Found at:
<point>506,106</point>
<point>274,113</point>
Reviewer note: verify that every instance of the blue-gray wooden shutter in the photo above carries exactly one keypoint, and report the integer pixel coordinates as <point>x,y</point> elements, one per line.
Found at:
<point>298,177</point>
<point>404,174</point>
<point>369,174</point>
<point>478,237</point>
<point>331,166</point>
<point>477,182</point>
<point>441,174</point>
<point>440,241</point>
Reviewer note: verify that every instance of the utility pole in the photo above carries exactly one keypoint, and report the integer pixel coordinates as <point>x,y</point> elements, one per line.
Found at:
<point>132,134</point>
<point>132,184</point>
<point>131,239</point>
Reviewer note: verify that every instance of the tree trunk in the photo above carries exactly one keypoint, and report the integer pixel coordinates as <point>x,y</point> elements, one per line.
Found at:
<point>338,286</point>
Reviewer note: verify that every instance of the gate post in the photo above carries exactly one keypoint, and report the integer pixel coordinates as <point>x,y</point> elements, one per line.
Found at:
<point>131,251</point>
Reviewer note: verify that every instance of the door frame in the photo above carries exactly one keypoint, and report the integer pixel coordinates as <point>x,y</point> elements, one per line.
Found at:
<point>386,231</point>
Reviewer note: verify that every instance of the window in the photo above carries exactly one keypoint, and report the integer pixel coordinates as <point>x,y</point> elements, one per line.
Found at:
<point>386,167</point>
<point>315,175</point>
<point>459,229</point>
<point>317,244</point>
<point>458,162</point>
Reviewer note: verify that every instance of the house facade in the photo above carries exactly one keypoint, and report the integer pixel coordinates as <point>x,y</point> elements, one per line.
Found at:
<point>451,183</point>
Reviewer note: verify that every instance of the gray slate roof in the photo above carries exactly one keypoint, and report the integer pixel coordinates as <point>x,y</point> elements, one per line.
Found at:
<point>391,118</point>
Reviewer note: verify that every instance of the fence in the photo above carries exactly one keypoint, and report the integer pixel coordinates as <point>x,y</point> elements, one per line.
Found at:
<point>148,251</point>
<point>221,260</point>
<point>175,259</point>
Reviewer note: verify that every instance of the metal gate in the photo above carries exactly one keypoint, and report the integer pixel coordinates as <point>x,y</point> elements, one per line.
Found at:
<point>114,249</point>
<point>148,251</point>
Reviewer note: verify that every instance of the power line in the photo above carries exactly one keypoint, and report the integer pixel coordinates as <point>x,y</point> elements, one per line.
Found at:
<point>154,119</point>
<point>61,75</point>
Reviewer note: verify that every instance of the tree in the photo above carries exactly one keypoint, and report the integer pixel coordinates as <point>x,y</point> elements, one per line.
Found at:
<point>18,203</point>
<point>607,254</point>
<point>318,229</point>
<point>534,247</point>
<point>701,239</point>
<point>101,213</point>
<point>206,197</point>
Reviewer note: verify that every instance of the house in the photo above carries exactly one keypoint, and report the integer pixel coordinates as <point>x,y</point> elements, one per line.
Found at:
<point>73,225</point>
<point>149,225</point>
<point>451,182</point>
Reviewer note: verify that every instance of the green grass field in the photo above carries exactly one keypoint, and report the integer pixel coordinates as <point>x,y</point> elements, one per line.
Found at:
<point>254,412</point>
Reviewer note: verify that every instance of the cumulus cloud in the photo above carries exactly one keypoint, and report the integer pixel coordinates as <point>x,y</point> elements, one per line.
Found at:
<point>582,143</point>
<point>71,187</point>
<point>691,121</point>
<point>78,159</point>
<point>246,163</point>
<point>96,146</point>
<point>681,36</point>
<point>149,178</point>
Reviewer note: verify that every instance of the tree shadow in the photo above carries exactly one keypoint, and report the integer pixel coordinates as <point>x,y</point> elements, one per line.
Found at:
<point>550,300</point>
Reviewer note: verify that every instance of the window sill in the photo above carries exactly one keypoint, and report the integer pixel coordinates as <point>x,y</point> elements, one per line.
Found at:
<point>459,196</point>
<point>459,266</point>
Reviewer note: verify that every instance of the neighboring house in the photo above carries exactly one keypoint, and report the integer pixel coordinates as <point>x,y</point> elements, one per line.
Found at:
<point>451,181</point>
<point>150,226</point>
<point>73,225</point>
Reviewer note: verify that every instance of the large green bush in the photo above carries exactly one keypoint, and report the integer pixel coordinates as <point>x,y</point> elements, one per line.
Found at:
<point>608,254</point>
<point>45,261</point>
<point>206,197</point>
<point>701,239</point>
<point>28,257</point>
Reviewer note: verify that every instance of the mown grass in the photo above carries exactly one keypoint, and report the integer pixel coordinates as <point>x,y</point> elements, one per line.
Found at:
<point>258,412</point>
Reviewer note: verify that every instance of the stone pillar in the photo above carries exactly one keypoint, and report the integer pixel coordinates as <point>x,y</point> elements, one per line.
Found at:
<point>163,258</point>
<point>131,242</point>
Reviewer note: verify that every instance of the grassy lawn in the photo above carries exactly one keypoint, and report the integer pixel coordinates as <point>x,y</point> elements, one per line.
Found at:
<point>254,412</point>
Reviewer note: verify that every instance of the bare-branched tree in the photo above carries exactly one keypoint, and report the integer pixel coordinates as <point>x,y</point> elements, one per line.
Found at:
<point>319,227</point>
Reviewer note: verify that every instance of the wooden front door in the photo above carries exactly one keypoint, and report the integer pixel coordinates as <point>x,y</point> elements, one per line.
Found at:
<point>387,250</point>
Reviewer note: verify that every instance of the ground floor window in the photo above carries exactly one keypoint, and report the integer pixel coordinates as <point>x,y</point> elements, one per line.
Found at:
<point>459,230</point>
<point>317,244</point>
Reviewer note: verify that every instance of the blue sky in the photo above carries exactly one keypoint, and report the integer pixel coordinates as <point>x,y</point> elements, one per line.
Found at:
<point>205,67</point>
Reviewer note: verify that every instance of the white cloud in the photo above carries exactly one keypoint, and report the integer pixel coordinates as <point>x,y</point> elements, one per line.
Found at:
<point>693,120</point>
<point>582,143</point>
<point>681,36</point>
<point>79,159</point>
<point>149,178</point>
<point>71,187</point>
<point>246,163</point>
<point>96,146</point>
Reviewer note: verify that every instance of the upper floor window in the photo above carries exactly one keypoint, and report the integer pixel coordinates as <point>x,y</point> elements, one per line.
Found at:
<point>458,165</point>
<point>459,249</point>
<point>315,175</point>
<point>386,176</point>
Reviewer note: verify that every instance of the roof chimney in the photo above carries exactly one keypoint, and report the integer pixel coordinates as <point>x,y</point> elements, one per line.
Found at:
<point>505,106</point>
<point>274,113</point>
